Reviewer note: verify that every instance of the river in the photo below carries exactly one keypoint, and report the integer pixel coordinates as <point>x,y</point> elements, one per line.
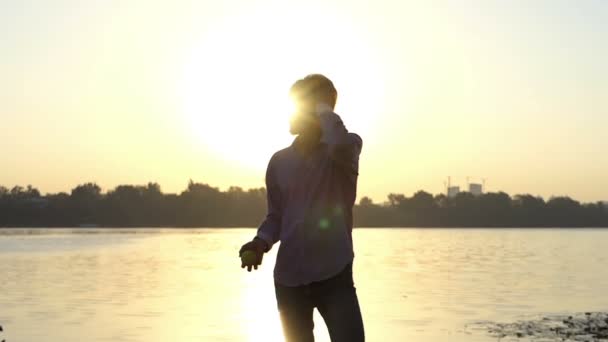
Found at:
<point>187,285</point>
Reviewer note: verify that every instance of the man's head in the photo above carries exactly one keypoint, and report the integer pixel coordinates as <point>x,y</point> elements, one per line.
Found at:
<point>308,93</point>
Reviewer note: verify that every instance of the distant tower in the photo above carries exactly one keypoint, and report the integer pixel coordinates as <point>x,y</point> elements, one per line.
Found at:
<point>453,191</point>
<point>475,189</point>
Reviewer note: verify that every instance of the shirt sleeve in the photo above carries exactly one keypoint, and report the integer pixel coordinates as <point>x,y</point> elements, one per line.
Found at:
<point>344,147</point>
<point>270,229</point>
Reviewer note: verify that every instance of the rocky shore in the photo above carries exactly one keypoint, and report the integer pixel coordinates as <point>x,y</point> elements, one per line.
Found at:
<point>588,326</point>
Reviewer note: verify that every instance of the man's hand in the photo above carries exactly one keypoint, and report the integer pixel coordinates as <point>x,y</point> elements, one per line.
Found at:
<point>251,253</point>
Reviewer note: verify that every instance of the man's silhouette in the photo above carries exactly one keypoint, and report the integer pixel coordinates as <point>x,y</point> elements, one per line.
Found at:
<point>311,188</point>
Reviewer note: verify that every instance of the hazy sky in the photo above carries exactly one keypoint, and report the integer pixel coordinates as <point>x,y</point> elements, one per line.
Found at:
<point>134,91</point>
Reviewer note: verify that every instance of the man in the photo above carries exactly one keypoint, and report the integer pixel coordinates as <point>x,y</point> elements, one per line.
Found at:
<point>311,189</point>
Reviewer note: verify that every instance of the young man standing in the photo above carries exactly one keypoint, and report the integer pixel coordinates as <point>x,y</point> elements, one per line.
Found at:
<point>311,188</point>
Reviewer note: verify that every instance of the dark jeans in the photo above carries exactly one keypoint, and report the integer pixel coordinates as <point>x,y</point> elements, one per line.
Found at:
<point>336,300</point>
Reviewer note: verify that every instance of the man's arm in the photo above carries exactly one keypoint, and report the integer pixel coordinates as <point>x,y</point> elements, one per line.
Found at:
<point>269,230</point>
<point>252,252</point>
<point>344,147</point>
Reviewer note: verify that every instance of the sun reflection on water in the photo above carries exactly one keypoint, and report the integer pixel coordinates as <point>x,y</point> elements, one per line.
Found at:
<point>259,310</point>
<point>259,307</point>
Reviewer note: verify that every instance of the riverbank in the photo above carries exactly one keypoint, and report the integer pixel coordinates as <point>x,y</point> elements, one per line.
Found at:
<point>588,326</point>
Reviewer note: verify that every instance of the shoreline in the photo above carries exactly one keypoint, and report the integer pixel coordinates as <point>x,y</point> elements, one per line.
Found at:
<point>582,326</point>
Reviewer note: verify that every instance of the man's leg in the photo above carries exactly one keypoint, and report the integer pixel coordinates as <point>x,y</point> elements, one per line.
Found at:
<point>295,309</point>
<point>338,304</point>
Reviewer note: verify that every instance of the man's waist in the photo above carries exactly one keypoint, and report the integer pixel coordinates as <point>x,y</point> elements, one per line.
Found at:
<point>296,266</point>
<point>343,277</point>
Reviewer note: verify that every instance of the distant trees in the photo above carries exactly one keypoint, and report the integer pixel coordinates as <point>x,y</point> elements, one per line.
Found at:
<point>487,210</point>
<point>202,205</point>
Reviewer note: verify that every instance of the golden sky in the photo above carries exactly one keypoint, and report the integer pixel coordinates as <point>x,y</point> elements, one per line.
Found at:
<point>134,91</point>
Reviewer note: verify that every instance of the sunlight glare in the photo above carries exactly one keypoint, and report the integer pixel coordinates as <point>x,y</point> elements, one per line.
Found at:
<point>235,82</point>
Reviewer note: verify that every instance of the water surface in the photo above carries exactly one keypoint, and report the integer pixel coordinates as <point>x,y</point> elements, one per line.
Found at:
<point>187,285</point>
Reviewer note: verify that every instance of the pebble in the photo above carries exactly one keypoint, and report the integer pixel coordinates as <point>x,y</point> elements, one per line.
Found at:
<point>588,326</point>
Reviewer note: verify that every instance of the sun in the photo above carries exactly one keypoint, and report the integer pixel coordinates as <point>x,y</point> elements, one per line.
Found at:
<point>235,80</point>
<point>233,107</point>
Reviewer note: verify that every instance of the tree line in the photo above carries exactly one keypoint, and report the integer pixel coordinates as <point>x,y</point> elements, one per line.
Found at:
<point>201,205</point>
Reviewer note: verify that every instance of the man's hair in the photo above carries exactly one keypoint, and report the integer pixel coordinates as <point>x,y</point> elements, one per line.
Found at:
<point>316,88</point>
